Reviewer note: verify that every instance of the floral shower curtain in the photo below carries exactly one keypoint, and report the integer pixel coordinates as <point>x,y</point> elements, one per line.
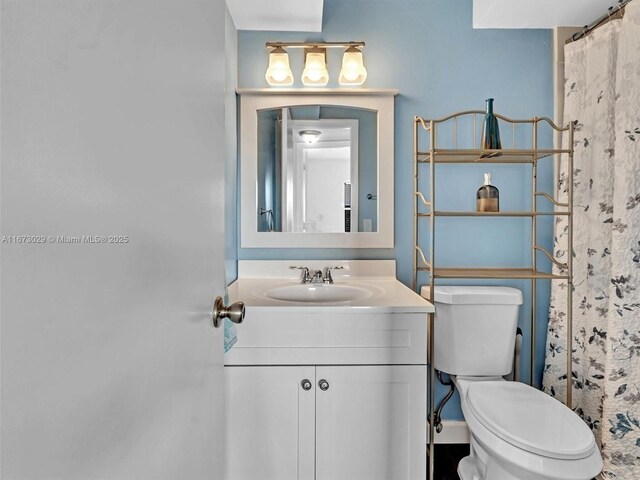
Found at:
<point>602,96</point>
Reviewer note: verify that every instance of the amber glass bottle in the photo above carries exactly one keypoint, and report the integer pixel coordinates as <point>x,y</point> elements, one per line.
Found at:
<point>488,196</point>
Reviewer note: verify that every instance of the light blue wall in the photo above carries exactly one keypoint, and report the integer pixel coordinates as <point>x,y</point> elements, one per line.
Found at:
<point>268,184</point>
<point>230,135</point>
<point>428,50</point>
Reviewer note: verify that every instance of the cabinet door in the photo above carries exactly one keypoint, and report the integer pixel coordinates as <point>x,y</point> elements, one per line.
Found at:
<point>371,423</point>
<point>270,423</point>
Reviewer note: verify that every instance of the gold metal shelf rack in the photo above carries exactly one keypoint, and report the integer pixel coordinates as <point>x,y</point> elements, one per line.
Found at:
<point>531,154</point>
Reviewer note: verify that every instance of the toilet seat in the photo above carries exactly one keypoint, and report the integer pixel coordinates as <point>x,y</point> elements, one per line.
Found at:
<point>491,447</point>
<point>529,420</point>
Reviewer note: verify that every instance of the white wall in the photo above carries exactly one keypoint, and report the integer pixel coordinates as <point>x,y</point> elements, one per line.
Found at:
<point>112,124</point>
<point>537,13</point>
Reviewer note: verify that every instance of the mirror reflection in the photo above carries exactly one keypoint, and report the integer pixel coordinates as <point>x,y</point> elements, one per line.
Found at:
<point>317,169</point>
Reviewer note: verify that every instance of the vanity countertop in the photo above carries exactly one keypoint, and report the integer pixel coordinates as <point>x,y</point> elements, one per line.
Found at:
<point>373,283</point>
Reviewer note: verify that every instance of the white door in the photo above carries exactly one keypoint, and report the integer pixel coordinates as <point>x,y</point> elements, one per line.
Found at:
<point>326,170</point>
<point>112,164</point>
<point>371,423</point>
<point>270,423</point>
<point>287,170</point>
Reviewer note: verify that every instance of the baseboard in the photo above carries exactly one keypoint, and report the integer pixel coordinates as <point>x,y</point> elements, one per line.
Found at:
<point>453,431</point>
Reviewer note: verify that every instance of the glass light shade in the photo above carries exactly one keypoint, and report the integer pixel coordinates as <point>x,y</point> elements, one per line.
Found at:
<point>353,71</point>
<point>315,68</point>
<point>279,72</point>
<point>310,136</point>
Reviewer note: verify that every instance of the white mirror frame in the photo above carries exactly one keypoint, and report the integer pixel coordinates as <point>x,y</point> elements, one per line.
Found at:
<point>253,100</point>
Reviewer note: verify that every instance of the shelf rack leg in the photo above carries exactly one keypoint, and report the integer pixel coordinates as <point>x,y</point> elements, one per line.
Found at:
<point>534,263</point>
<point>432,370</point>
<point>431,420</point>
<point>415,203</point>
<point>570,274</point>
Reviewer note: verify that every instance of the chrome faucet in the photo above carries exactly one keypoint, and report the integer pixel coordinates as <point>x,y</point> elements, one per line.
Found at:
<point>318,276</point>
<point>327,278</point>
<point>306,276</point>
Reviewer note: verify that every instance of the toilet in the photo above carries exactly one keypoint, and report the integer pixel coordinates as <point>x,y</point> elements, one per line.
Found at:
<point>517,432</point>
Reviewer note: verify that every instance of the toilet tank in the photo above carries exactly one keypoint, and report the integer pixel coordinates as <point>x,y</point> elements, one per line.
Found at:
<point>475,329</point>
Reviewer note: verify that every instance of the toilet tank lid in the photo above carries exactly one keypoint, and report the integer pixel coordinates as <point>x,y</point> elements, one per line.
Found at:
<point>475,295</point>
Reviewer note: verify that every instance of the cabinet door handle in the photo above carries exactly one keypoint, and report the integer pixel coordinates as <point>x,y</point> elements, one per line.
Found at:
<point>306,384</point>
<point>324,385</point>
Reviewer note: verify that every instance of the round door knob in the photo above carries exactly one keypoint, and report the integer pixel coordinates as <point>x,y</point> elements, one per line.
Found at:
<point>306,384</point>
<point>324,385</point>
<point>234,312</point>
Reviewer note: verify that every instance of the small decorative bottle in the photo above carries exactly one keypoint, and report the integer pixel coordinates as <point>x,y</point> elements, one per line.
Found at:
<point>490,129</point>
<point>488,197</point>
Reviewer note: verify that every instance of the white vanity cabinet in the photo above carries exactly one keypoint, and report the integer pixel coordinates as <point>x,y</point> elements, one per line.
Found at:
<point>371,422</point>
<point>354,422</point>
<point>327,396</point>
<point>270,423</point>
<point>332,390</point>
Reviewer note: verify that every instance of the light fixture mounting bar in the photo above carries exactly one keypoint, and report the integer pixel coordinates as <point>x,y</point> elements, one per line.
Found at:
<point>314,44</point>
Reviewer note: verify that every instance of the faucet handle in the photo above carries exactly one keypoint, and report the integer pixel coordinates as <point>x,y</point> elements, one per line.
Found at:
<point>306,277</point>
<point>327,278</point>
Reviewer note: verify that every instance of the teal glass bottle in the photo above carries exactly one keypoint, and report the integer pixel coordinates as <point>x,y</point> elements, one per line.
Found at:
<point>490,129</point>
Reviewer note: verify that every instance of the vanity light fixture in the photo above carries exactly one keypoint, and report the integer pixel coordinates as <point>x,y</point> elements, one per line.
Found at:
<point>310,136</point>
<point>279,72</point>
<point>353,71</point>
<point>315,73</point>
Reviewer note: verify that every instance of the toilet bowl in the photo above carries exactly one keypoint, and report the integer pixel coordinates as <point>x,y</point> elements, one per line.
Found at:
<point>520,433</point>
<point>517,432</point>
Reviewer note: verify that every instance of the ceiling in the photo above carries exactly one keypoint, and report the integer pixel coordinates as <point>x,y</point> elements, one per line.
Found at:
<point>306,15</point>
<point>537,13</point>
<point>277,15</point>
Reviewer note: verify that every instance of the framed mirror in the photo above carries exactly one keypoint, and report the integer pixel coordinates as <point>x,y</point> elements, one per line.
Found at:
<point>316,168</point>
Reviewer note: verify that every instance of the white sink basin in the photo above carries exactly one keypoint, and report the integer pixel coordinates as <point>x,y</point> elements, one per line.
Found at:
<point>318,293</point>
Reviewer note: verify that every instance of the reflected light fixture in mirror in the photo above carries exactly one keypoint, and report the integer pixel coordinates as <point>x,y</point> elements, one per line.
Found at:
<point>353,71</point>
<point>310,136</point>
<point>315,71</point>
<point>279,72</point>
